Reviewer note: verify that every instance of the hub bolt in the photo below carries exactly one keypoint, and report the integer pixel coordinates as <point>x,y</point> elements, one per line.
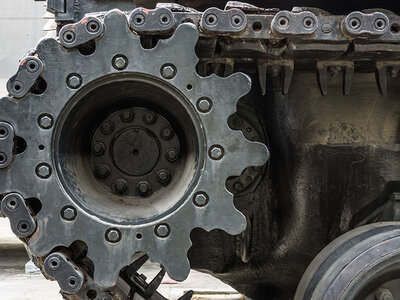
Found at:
<point>200,199</point>
<point>163,176</point>
<point>120,62</point>
<point>43,170</point>
<point>74,81</point>
<point>204,105</point>
<point>126,115</point>
<point>149,117</point>
<point>168,71</point>
<point>45,121</point>
<point>143,188</point>
<point>167,133</point>
<point>162,230</point>
<point>216,152</point>
<point>120,186</point>
<point>103,171</point>
<point>98,148</point>
<point>68,213</point>
<point>107,127</point>
<point>172,155</point>
<point>113,235</point>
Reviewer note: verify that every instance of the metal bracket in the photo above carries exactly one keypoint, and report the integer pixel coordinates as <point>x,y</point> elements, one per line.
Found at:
<point>219,21</point>
<point>156,21</point>
<point>286,67</point>
<point>289,23</point>
<point>67,274</point>
<point>358,24</point>
<point>347,67</point>
<point>19,85</point>
<point>382,68</point>
<point>73,35</point>
<point>14,207</point>
<point>6,144</point>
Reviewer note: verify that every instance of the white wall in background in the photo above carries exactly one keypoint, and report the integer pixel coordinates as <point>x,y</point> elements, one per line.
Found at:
<point>21,26</point>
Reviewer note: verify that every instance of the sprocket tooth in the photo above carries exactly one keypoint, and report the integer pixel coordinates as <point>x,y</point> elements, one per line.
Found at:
<point>185,35</point>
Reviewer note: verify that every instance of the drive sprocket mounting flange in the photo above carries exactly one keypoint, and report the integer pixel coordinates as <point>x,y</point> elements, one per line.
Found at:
<point>128,149</point>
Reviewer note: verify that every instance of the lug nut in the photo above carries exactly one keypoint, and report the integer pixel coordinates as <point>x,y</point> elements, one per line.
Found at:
<point>172,155</point>
<point>143,188</point>
<point>126,115</point>
<point>45,121</point>
<point>103,171</point>
<point>98,148</point>
<point>216,152</point>
<point>120,62</point>
<point>149,117</point>
<point>68,213</point>
<point>113,235</point>
<point>107,127</point>
<point>200,199</point>
<point>162,230</point>
<point>163,176</point>
<point>120,186</point>
<point>204,105</point>
<point>43,170</point>
<point>74,81</point>
<point>168,71</point>
<point>167,133</point>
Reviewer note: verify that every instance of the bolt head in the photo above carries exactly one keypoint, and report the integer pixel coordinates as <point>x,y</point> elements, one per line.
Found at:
<point>45,121</point>
<point>120,62</point>
<point>126,115</point>
<point>172,155</point>
<point>327,28</point>
<point>107,127</point>
<point>113,235</point>
<point>168,71</point>
<point>167,133</point>
<point>43,171</point>
<point>74,81</point>
<point>149,117</point>
<point>120,186</point>
<point>216,152</point>
<point>98,148</point>
<point>143,188</point>
<point>103,171</point>
<point>162,230</point>
<point>68,213</point>
<point>200,199</point>
<point>204,105</point>
<point>163,176</point>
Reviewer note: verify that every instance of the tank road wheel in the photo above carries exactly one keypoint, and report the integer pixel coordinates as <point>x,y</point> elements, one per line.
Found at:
<point>127,150</point>
<point>362,264</point>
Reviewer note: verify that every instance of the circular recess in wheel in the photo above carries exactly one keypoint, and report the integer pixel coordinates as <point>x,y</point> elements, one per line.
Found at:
<point>361,264</point>
<point>128,149</point>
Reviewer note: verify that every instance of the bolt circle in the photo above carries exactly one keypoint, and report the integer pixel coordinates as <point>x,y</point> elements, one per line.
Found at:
<point>68,213</point>
<point>204,105</point>
<point>74,81</point>
<point>23,227</point>
<point>167,133</point>
<point>113,235</point>
<point>120,186</point>
<point>54,263</point>
<point>172,155</point>
<point>127,115</point>
<point>120,62</point>
<point>45,121</point>
<point>216,152</point>
<point>43,170</point>
<point>103,171</point>
<point>98,148</point>
<point>3,158</point>
<point>200,199</point>
<point>107,127</point>
<point>163,176</point>
<point>168,71</point>
<point>143,188</point>
<point>162,230</point>
<point>149,117</point>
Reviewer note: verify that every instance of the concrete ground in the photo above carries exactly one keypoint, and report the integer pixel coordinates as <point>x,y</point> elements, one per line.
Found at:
<point>15,284</point>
